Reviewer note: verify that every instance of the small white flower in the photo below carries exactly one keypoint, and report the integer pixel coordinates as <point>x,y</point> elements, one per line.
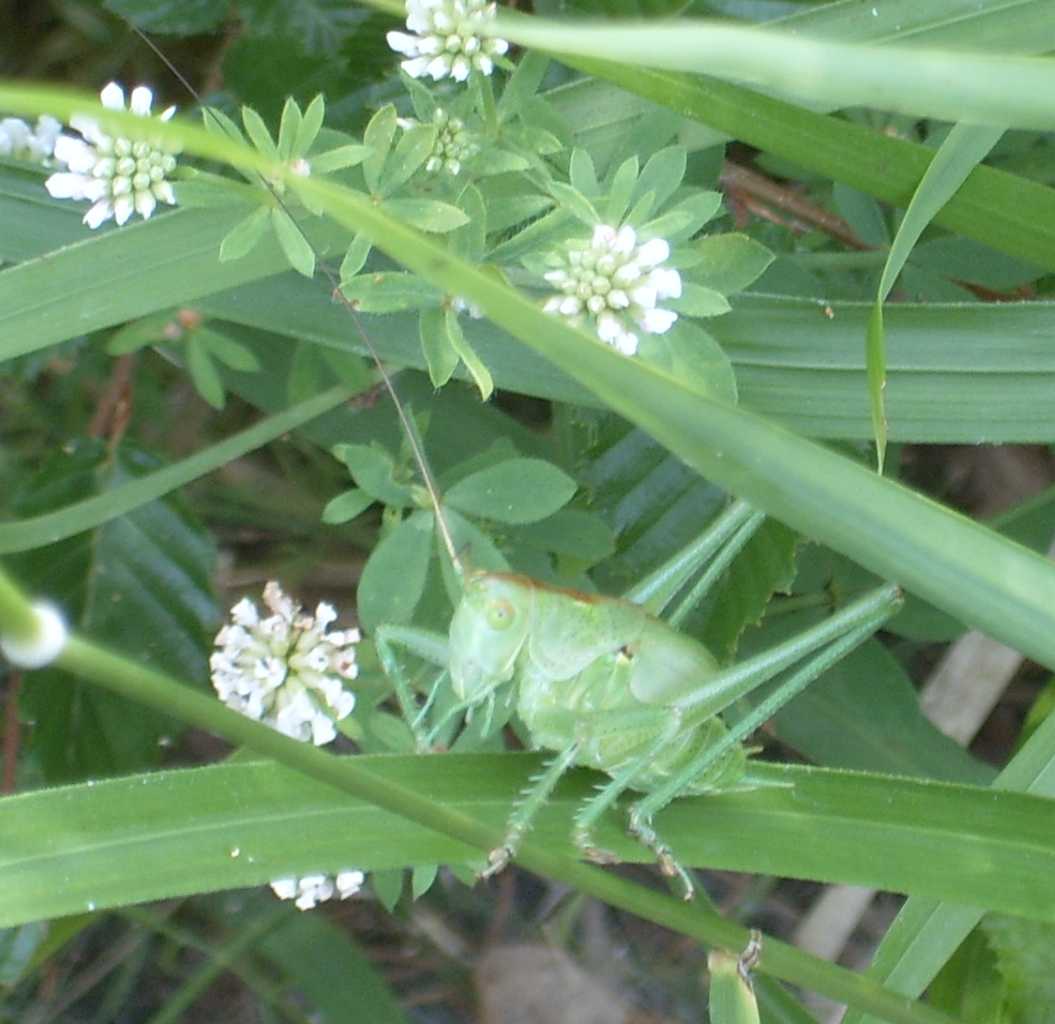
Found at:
<point>119,176</point>
<point>616,283</point>
<point>285,669</point>
<point>21,142</point>
<point>444,39</point>
<point>312,890</point>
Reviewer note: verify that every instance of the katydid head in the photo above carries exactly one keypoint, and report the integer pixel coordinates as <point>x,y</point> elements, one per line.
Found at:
<point>488,630</point>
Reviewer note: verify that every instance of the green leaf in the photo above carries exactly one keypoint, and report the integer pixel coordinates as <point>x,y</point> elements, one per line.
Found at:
<point>766,566</point>
<point>430,215</point>
<point>441,357</point>
<point>574,202</point>
<point>420,96</point>
<point>355,257</point>
<point>308,129</point>
<point>477,549</point>
<point>140,583</point>
<point>243,237</point>
<point>339,158</point>
<point>378,135</point>
<point>864,714</point>
<point>421,879</point>
<point>470,240</point>
<point>969,986</point>
<point>621,190</point>
<point>156,837</point>
<point>863,214</point>
<point>514,491</point>
<point>729,263</point>
<point>698,300</point>
<point>581,173</point>
<point>217,123</point>
<point>258,133</point>
<point>374,471</point>
<point>690,353</point>
<point>685,219</point>
<point>731,998</point>
<point>203,372</point>
<point>311,951</point>
<point>964,260</point>
<point>389,292</point>
<point>393,578</point>
<point>467,354</point>
<point>387,886</point>
<point>963,149</point>
<point>412,150</point>
<point>1021,949</point>
<point>573,532</point>
<point>288,128</point>
<point>661,175</point>
<point>134,336</point>
<point>927,932</point>
<point>523,83</point>
<point>499,161</point>
<point>227,350</point>
<point>297,248</point>
<point>347,506</point>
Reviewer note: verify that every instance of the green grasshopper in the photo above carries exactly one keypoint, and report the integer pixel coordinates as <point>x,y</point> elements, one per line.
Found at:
<point>602,683</point>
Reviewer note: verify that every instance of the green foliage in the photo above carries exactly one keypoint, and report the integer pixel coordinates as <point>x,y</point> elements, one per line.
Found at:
<point>443,208</point>
<point>140,582</point>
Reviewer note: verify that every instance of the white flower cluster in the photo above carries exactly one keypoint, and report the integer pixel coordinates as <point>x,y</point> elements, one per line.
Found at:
<point>615,281</point>
<point>454,144</point>
<point>446,39</point>
<point>34,145</point>
<point>285,670</point>
<point>119,176</point>
<point>311,890</point>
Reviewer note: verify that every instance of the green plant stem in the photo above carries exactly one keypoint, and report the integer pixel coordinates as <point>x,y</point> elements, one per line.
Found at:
<point>17,618</point>
<point>91,512</point>
<point>160,691</point>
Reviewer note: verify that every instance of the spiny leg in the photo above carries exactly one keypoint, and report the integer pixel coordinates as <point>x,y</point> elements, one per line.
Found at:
<point>715,548</point>
<point>527,807</point>
<point>642,813</point>
<point>609,723</point>
<point>721,561</point>
<point>430,647</point>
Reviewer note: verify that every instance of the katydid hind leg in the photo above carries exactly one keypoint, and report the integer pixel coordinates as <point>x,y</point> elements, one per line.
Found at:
<point>666,724</point>
<point>643,812</point>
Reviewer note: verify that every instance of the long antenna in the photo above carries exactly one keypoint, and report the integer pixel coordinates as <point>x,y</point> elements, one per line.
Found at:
<point>409,429</point>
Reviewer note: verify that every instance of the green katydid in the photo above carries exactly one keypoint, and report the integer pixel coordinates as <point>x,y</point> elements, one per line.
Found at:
<point>602,683</point>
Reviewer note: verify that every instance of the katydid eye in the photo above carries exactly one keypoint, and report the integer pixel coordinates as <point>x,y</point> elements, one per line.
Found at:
<point>500,614</point>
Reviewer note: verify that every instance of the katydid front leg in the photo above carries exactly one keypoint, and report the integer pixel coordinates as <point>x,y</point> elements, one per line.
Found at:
<point>431,647</point>
<point>527,807</point>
